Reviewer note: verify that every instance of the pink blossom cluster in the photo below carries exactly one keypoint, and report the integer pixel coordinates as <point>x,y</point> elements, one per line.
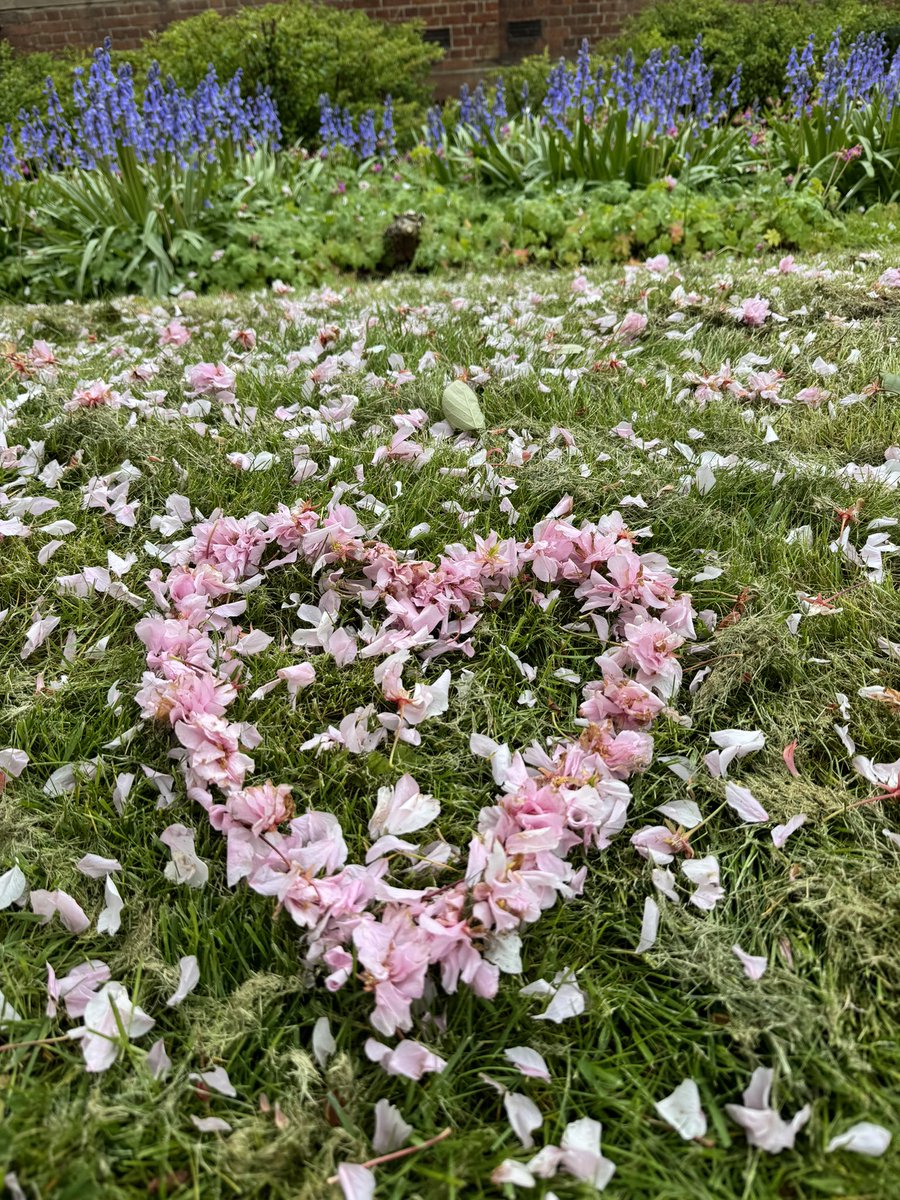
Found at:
<point>395,937</point>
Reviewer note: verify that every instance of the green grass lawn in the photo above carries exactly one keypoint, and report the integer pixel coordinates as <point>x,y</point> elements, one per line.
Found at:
<point>824,909</point>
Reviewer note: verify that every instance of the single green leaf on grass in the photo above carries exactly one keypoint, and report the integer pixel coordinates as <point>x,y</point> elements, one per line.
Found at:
<point>891,383</point>
<point>461,407</point>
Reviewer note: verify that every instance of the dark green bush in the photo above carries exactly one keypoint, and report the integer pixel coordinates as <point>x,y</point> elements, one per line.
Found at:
<point>300,50</point>
<point>530,73</point>
<point>757,33</point>
<point>22,78</point>
<point>297,49</point>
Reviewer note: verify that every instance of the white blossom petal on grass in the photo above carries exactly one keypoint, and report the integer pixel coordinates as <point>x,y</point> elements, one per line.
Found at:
<point>581,1156</point>
<point>409,1058</point>
<point>402,808</point>
<point>510,1171</point>
<point>682,1110</point>
<point>391,1131</point>
<point>356,1182</point>
<point>762,1124</point>
<point>892,837</point>
<point>744,803</point>
<point>567,998</point>
<point>97,867</point>
<point>864,1137</point>
<point>38,632</point>
<point>649,926</point>
<point>108,1016</point>
<point>7,1012</point>
<point>12,1185</point>
<point>188,978</point>
<point>122,790</point>
<point>211,1124</point>
<point>732,743</point>
<point>685,812</point>
<point>781,833</point>
<point>110,918</point>
<point>323,1043</point>
<point>13,887</point>
<point>215,1078</point>
<point>158,1062</point>
<point>13,762</point>
<point>528,1061</point>
<point>185,866</point>
<point>754,965</point>
<point>704,874</point>
<point>524,1117</point>
<point>664,881</point>
<point>76,989</point>
<point>47,904</point>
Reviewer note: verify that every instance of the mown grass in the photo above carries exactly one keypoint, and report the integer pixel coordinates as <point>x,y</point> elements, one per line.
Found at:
<point>825,908</point>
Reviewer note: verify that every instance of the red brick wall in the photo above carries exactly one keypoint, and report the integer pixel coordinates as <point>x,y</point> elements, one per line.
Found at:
<point>478,28</point>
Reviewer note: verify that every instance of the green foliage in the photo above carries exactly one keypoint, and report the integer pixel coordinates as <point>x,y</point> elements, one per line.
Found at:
<point>530,73</point>
<point>297,49</point>
<point>533,154</point>
<point>142,228</point>
<point>300,50</point>
<point>299,226</point>
<point>758,34</point>
<point>852,153</point>
<point>22,78</point>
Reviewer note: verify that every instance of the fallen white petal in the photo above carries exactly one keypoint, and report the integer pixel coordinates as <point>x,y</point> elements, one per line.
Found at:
<point>682,1110</point>
<point>863,1138</point>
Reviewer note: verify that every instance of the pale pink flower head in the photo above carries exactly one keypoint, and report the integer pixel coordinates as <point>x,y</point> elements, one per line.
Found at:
<point>298,676</point>
<point>813,396</point>
<point>890,277</point>
<point>659,264</point>
<point>202,580</point>
<point>288,525</point>
<point>394,955</point>
<point>41,356</point>
<point>631,326</point>
<point>245,338</point>
<point>753,312</point>
<point>96,394</point>
<point>234,544</point>
<point>337,537</point>
<point>210,379</point>
<point>172,644</point>
<point>261,807</point>
<point>787,265</point>
<point>659,844</point>
<point>189,694</point>
<point>174,334</point>
<point>107,1016</point>
<point>623,753</point>
<point>651,646</point>
<point>629,704</point>
<point>213,751</point>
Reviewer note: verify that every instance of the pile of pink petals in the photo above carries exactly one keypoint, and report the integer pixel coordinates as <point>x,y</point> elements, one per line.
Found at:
<point>384,923</point>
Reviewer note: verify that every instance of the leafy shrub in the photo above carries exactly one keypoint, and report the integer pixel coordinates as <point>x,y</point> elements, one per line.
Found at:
<point>756,33</point>
<point>300,50</point>
<point>842,125</point>
<point>22,78</point>
<point>131,185</point>
<point>525,82</point>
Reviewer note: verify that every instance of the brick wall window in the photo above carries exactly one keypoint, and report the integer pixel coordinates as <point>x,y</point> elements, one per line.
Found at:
<point>440,37</point>
<point>518,32</point>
